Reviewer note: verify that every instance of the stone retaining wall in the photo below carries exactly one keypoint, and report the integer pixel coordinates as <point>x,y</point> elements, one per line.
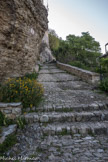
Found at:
<point>11,110</point>
<point>90,77</point>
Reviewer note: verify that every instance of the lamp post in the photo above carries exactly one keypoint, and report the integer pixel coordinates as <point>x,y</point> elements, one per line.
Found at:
<point>106,51</point>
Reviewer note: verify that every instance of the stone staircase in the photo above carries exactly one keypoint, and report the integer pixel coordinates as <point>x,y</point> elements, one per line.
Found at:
<point>70,106</point>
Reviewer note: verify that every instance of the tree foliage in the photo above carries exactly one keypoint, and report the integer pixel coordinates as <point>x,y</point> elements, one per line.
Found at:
<point>104,64</point>
<point>80,51</point>
<point>53,40</point>
<point>104,71</point>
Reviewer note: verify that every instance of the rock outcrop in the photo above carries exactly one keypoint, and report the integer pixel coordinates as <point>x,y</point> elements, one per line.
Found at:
<point>45,52</point>
<point>22,27</point>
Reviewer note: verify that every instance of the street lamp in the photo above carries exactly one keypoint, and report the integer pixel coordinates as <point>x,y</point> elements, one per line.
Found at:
<point>106,50</point>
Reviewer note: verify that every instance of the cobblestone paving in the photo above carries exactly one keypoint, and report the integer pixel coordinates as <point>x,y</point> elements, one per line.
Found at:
<point>71,124</point>
<point>59,148</point>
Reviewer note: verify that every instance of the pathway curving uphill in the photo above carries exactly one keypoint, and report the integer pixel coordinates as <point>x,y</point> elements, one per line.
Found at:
<point>70,125</point>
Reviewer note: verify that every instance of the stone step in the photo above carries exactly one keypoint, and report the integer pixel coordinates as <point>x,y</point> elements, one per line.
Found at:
<point>66,117</point>
<point>48,67</point>
<point>56,77</point>
<point>63,86</point>
<point>50,64</point>
<point>78,108</point>
<point>91,128</point>
<point>52,72</point>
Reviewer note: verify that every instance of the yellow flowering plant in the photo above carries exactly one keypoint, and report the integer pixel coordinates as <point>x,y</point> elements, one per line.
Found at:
<point>24,90</point>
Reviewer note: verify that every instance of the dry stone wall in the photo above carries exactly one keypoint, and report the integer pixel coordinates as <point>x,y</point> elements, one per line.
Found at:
<point>11,110</point>
<point>86,75</point>
<point>22,27</point>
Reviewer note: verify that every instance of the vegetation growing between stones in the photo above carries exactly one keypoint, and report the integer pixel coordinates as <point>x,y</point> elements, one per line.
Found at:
<point>21,123</point>
<point>8,143</point>
<point>40,67</point>
<point>4,121</point>
<point>10,139</point>
<point>1,118</point>
<point>26,90</point>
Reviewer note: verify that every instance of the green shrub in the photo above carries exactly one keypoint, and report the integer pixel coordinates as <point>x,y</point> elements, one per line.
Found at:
<point>79,65</point>
<point>25,90</point>
<point>104,65</point>
<point>104,85</point>
<point>76,63</point>
<point>31,76</point>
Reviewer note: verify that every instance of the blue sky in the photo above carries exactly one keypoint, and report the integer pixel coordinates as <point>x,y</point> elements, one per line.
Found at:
<point>76,16</point>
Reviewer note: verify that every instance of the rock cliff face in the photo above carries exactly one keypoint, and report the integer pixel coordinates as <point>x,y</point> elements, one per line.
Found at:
<point>22,27</point>
<point>45,52</point>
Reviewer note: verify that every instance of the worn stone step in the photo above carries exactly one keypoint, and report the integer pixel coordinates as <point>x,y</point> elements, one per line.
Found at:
<point>50,64</point>
<point>66,117</point>
<point>56,77</point>
<point>91,128</point>
<point>48,67</point>
<point>64,86</point>
<point>51,72</point>
<point>77,108</point>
